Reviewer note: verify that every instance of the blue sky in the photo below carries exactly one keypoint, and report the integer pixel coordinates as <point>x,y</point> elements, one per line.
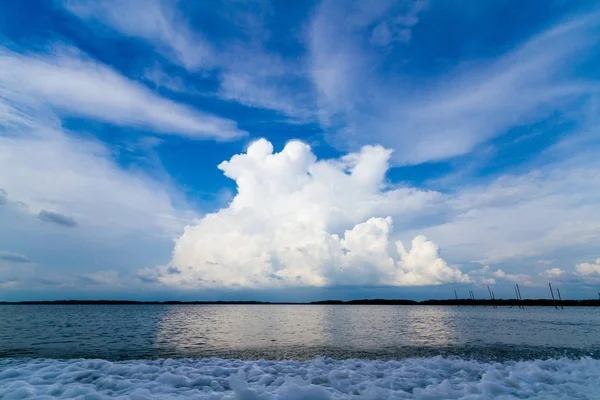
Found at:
<point>277,151</point>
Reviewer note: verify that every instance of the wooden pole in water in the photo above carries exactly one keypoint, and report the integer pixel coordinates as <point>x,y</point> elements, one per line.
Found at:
<point>472,297</point>
<point>520,298</point>
<point>517,296</point>
<point>552,293</point>
<point>456,297</point>
<point>491,296</point>
<point>559,299</point>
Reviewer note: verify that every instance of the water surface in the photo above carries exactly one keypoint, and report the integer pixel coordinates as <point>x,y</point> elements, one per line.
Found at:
<point>301,332</point>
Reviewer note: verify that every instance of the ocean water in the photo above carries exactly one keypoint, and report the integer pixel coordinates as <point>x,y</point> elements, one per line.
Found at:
<point>298,352</point>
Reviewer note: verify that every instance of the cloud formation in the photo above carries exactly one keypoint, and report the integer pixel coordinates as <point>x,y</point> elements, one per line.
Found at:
<point>13,257</point>
<point>299,221</point>
<point>80,182</point>
<point>69,82</point>
<point>487,276</point>
<point>153,20</point>
<point>447,115</point>
<point>506,219</point>
<point>352,68</point>
<point>553,273</point>
<point>397,27</point>
<point>586,268</point>
<point>57,218</point>
<point>247,72</point>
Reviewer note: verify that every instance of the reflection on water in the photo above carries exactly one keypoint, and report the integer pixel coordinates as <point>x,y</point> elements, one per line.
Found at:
<point>435,326</point>
<point>185,328</point>
<point>300,332</point>
<point>238,327</point>
<point>250,326</point>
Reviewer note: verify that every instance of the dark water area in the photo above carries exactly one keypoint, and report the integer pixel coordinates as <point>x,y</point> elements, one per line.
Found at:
<point>299,332</point>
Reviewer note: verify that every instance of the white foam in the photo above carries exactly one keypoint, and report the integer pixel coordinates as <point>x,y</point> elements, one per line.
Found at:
<point>423,378</point>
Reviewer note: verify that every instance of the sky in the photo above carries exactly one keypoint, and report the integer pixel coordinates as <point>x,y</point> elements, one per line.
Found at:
<point>298,151</point>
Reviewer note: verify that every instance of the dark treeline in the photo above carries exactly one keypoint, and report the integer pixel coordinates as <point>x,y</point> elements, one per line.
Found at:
<point>448,302</point>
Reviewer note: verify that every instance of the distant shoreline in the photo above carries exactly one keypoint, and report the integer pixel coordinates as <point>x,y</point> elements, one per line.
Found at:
<point>448,302</point>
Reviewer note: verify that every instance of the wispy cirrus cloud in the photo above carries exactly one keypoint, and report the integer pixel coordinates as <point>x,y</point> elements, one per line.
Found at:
<point>123,216</point>
<point>342,79</point>
<point>398,24</point>
<point>156,21</point>
<point>247,73</point>
<point>67,81</point>
<point>449,114</point>
<point>258,79</point>
<point>64,179</point>
<point>547,212</point>
<point>81,183</point>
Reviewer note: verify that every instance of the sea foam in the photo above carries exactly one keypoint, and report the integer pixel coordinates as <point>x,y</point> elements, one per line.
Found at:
<point>321,378</point>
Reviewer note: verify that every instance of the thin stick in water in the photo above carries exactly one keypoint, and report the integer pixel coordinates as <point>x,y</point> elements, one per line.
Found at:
<point>520,298</point>
<point>491,297</point>
<point>559,299</point>
<point>456,297</point>
<point>552,293</point>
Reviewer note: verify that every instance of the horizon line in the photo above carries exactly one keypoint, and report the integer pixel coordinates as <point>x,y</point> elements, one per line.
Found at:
<point>450,302</point>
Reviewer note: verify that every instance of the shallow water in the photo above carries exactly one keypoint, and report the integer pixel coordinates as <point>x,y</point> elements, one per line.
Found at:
<point>299,332</point>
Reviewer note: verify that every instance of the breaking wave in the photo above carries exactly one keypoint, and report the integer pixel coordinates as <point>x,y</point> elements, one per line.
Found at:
<point>320,378</point>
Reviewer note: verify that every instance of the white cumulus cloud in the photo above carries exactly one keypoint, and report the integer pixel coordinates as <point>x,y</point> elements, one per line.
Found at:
<point>553,273</point>
<point>588,268</point>
<point>299,221</point>
<point>487,276</point>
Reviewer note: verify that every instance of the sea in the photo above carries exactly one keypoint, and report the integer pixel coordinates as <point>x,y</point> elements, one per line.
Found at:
<point>253,352</point>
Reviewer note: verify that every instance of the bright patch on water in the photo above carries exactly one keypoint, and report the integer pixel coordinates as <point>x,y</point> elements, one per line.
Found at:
<point>320,378</point>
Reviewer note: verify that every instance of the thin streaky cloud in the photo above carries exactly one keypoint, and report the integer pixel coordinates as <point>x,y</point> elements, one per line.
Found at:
<point>71,83</point>
<point>458,110</point>
<point>156,21</point>
<point>13,257</point>
<point>247,73</point>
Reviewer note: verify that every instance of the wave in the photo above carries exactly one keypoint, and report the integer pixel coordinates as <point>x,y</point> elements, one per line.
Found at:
<point>320,378</point>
